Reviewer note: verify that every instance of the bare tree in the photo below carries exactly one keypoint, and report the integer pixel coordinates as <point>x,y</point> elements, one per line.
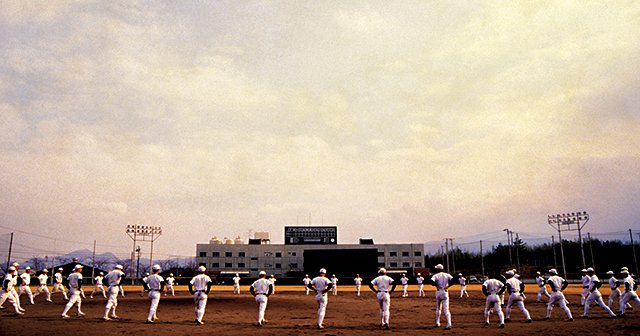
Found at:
<point>37,262</point>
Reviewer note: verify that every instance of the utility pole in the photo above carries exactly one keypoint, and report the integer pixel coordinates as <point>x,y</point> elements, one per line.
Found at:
<point>553,245</point>
<point>453,256</point>
<point>9,256</point>
<point>138,263</point>
<point>518,252</point>
<point>633,249</point>
<point>446,244</point>
<point>481,258</point>
<point>93,261</point>
<point>593,262</point>
<point>509,243</point>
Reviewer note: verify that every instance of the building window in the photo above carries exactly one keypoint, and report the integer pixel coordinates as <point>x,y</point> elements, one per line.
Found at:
<point>254,258</point>
<point>267,254</point>
<point>228,254</point>
<point>380,253</point>
<point>393,254</point>
<point>278,254</point>
<point>405,254</point>
<point>203,254</point>
<point>393,264</point>
<point>278,266</point>
<point>292,254</point>
<point>293,266</point>
<point>215,254</point>
<point>417,253</point>
<point>228,265</point>
<point>240,265</point>
<point>406,264</point>
<point>203,264</point>
<point>268,266</point>
<point>418,264</point>
<point>215,265</point>
<point>241,254</point>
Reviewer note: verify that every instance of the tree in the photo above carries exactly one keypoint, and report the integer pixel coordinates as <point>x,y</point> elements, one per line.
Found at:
<point>37,263</point>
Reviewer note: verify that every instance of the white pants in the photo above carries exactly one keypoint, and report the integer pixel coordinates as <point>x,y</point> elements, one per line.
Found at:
<point>26,289</point>
<point>558,296</point>
<point>404,290</point>
<point>358,290</point>
<point>43,288</point>
<point>463,291</point>
<point>59,287</point>
<point>518,300</point>
<point>8,296</point>
<point>74,297</point>
<point>121,289</point>
<point>262,300</point>
<point>627,297</point>
<point>170,288</point>
<point>384,300</point>
<point>420,290</point>
<point>596,297</point>
<point>334,289</point>
<point>493,301</point>
<point>541,291</point>
<point>442,302</point>
<point>112,301</point>
<point>236,289</point>
<point>101,288</point>
<point>154,295</point>
<point>583,296</point>
<point>322,300</point>
<point>200,298</point>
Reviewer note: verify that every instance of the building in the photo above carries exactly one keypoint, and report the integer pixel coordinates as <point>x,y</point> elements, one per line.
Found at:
<point>306,254</point>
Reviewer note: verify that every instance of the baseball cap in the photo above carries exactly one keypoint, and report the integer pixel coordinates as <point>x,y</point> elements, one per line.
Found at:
<point>609,272</point>
<point>553,271</point>
<point>418,273</point>
<point>460,274</point>
<point>60,269</point>
<point>590,269</point>
<point>538,273</point>
<point>382,270</point>
<point>101,273</point>
<point>624,269</point>
<point>323,271</point>
<point>11,268</point>
<point>510,273</point>
<point>78,267</point>
<point>28,268</point>
<point>202,269</point>
<point>15,264</point>
<point>119,267</point>
<point>439,267</point>
<point>156,267</point>
<point>262,273</point>
<point>45,271</point>
<point>170,274</point>
<point>624,272</point>
<point>584,270</point>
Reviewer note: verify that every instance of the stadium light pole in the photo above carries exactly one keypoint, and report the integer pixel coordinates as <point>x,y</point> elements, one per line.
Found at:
<point>573,221</point>
<point>509,243</point>
<point>145,234</point>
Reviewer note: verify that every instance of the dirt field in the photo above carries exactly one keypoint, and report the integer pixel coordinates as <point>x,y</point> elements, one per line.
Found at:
<point>290,312</point>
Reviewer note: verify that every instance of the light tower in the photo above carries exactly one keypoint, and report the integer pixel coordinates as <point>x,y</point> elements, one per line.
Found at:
<point>145,234</point>
<point>573,221</point>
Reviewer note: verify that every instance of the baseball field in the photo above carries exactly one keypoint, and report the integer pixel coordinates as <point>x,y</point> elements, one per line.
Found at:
<point>290,312</point>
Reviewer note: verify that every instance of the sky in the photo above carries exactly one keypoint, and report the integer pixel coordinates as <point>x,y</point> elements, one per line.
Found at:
<point>399,121</point>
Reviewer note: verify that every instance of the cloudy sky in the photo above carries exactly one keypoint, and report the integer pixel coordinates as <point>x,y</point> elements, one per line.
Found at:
<point>404,121</point>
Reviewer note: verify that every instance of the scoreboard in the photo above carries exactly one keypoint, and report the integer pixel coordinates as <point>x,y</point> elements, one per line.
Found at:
<point>310,235</point>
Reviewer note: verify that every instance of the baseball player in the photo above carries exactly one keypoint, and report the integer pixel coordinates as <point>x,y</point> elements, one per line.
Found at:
<point>98,285</point>
<point>442,281</point>
<point>585,286</point>
<point>595,295</point>
<point>629,291</point>
<point>7,291</point>
<point>615,291</point>
<point>113,280</point>
<point>405,285</point>
<point>515,287</point>
<point>200,286</point>
<point>420,281</point>
<point>321,285</point>
<point>155,285</point>
<point>170,282</point>
<point>492,289</point>
<point>463,286</point>
<point>24,284</point>
<point>121,290</point>
<point>236,284</point>
<point>306,281</point>
<point>358,281</point>
<point>144,281</point>
<point>273,280</point>
<point>541,285</point>
<point>261,289</point>
<point>334,282</point>
<point>74,282</point>
<point>557,285</point>
<point>42,285</point>
<point>15,285</point>
<point>57,286</point>
<point>382,284</point>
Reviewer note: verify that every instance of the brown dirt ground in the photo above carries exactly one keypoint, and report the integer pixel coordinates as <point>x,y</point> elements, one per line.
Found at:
<point>290,312</point>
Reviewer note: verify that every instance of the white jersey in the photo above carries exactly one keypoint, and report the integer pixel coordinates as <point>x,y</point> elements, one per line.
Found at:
<point>113,277</point>
<point>58,277</point>
<point>586,281</point>
<point>273,281</point>
<point>540,281</point>
<point>98,280</point>
<point>420,280</point>
<point>592,282</point>
<point>334,281</point>
<point>306,281</point>
<point>320,283</point>
<point>43,279</point>
<point>493,286</point>
<point>462,281</point>
<point>26,278</point>
<point>628,282</point>
<point>200,282</point>
<point>236,281</point>
<point>613,283</point>
<point>154,281</point>
<point>170,280</point>
<point>514,284</point>
<point>74,279</point>
<point>382,282</point>
<point>404,280</point>
<point>8,281</point>
<point>261,286</point>
<point>441,280</point>
<point>358,281</point>
<point>556,281</point>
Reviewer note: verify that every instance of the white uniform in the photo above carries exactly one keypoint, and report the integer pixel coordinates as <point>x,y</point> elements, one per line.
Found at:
<point>24,286</point>
<point>75,284</point>
<point>463,287</point>
<point>358,282</point>
<point>557,295</point>
<point>383,285</point>
<point>321,283</point>
<point>98,285</point>
<point>199,284</point>
<point>420,281</point>
<point>154,282</point>
<point>615,292</point>
<point>42,287</point>
<point>334,282</point>
<point>57,285</point>
<point>542,287</point>
<point>273,280</point>
<point>586,282</point>
<point>261,290</point>
<point>14,290</point>
<point>405,286</point>
<point>6,294</point>
<point>170,281</point>
<point>306,281</point>
<point>441,281</point>
<point>595,296</point>
<point>236,285</point>
<point>628,295</point>
<point>515,297</point>
<point>113,287</point>
<point>493,287</point>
